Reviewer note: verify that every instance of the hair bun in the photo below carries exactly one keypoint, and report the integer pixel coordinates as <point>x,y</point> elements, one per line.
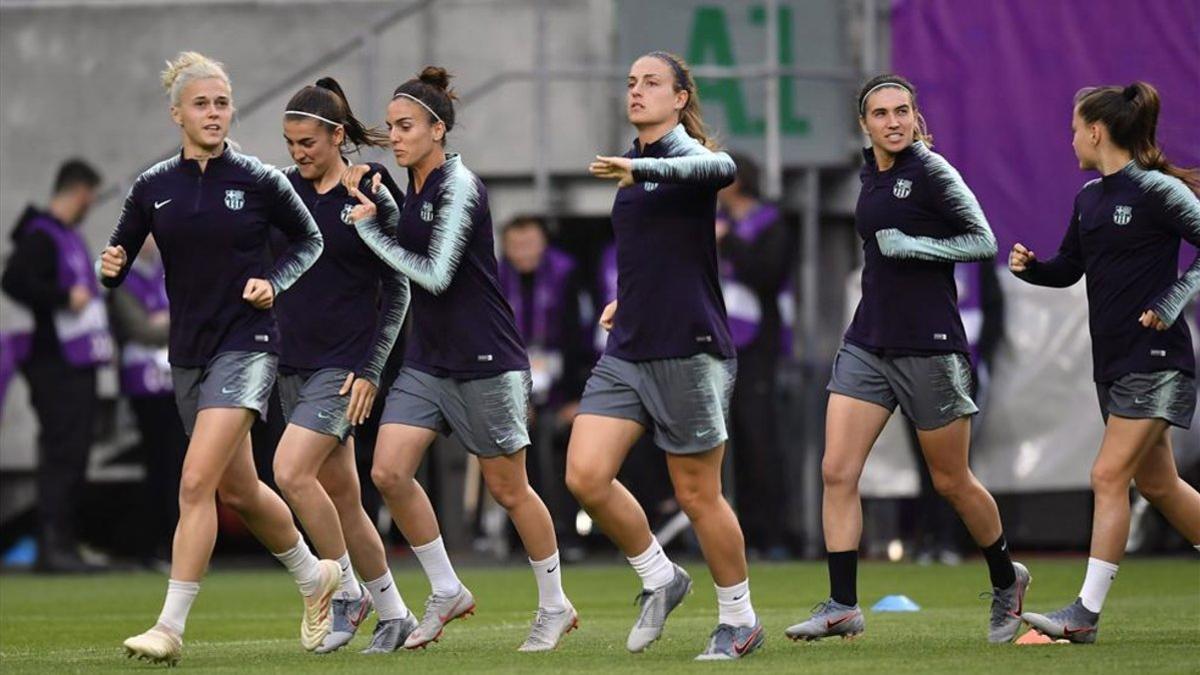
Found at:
<point>435,76</point>
<point>1130,92</point>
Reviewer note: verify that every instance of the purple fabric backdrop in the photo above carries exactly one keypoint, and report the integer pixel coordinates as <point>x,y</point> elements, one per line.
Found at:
<point>996,82</point>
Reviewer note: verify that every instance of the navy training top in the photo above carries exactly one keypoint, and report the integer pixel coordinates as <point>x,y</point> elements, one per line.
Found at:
<point>1124,235</point>
<point>212,228</point>
<point>462,327</point>
<point>916,220</point>
<point>347,309</point>
<point>669,302</point>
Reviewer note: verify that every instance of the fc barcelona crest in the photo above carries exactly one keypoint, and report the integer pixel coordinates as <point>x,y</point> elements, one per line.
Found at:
<point>649,187</point>
<point>235,199</point>
<point>427,211</point>
<point>902,188</point>
<point>346,214</point>
<point>1122,215</point>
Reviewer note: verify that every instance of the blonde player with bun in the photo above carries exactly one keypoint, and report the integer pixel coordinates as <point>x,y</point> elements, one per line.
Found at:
<point>210,209</point>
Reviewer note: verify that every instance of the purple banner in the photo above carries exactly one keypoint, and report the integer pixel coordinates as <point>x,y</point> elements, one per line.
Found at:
<point>997,81</point>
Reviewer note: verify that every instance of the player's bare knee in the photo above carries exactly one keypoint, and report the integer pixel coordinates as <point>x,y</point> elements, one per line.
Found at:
<point>587,486</point>
<point>236,499</point>
<point>194,490</point>
<point>390,481</point>
<point>508,493</point>
<point>1157,488</point>
<point>839,475</point>
<point>1109,479</point>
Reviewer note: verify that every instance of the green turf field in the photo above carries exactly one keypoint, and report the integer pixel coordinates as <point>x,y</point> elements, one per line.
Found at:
<point>247,622</point>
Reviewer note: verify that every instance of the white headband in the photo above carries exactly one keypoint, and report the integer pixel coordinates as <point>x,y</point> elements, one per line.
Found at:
<point>862,104</point>
<point>308,114</point>
<point>423,105</point>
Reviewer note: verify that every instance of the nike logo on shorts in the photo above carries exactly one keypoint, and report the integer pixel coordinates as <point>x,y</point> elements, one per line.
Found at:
<point>227,390</point>
<point>1139,400</point>
<point>324,415</point>
<point>159,205</point>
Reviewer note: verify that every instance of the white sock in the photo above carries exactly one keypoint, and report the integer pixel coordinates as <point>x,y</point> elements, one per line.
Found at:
<point>733,605</point>
<point>388,603</point>
<point>303,565</point>
<point>180,595</point>
<point>436,564</point>
<point>653,566</point>
<point>1100,575</point>
<point>549,582</point>
<point>349,588</point>
<point>1197,547</point>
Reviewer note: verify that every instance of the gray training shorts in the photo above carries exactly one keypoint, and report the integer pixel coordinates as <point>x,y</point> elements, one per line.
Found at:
<point>685,401</point>
<point>932,391</point>
<point>489,415</point>
<point>310,399</point>
<point>1165,394</point>
<point>230,380</point>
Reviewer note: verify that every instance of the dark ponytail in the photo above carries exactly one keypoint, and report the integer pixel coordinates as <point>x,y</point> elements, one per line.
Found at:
<point>327,100</point>
<point>431,88</point>
<point>1131,116</point>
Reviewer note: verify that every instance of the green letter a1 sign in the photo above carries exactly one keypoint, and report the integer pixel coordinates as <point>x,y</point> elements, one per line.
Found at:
<point>709,43</point>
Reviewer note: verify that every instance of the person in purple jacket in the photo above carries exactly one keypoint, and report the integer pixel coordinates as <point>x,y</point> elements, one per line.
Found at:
<point>1124,235</point>
<point>907,347</point>
<point>465,368</point>
<point>670,363</point>
<point>338,324</point>
<point>49,275</point>
<point>210,209</point>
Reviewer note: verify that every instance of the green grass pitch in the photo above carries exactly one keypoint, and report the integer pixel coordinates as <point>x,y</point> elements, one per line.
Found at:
<point>247,621</point>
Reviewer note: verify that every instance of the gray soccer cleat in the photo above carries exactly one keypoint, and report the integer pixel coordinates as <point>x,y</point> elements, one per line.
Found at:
<point>549,628</point>
<point>439,611</point>
<point>829,619</point>
<point>348,615</point>
<point>1073,622</point>
<point>390,635</point>
<point>1007,605</point>
<point>656,605</point>
<point>732,642</point>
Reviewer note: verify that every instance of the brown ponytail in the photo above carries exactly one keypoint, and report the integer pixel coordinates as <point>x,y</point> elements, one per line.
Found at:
<point>327,100</point>
<point>1131,116</point>
<point>689,117</point>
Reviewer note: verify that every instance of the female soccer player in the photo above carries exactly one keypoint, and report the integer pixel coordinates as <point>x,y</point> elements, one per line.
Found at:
<point>465,369</point>
<point>906,346</point>
<point>669,364</point>
<point>338,325</point>
<point>210,209</point>
<point>1124,235</point>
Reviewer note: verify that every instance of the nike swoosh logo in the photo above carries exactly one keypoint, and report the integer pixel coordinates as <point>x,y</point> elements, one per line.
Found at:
<point>159,205</point>
<point>324,416</point>
<point>1140,401</point>
<point>226,390</point>
<point>741,648</point>
<point>384,589</point>
<point>551,570</point>
<point>844,619</point>
<point>739,597</point>
<point>1068,631</point>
